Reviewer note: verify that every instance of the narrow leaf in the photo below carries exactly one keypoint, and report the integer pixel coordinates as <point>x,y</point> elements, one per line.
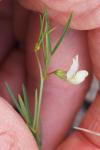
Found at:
<point>38,43</point>
<point>63,34</point>
<point>23,109</point>
<point>15,101</point>
<point>52,29</point>
<point>26,100</point>
<point>42,21</point>
<point>48,42</point>
<point>35,110</point>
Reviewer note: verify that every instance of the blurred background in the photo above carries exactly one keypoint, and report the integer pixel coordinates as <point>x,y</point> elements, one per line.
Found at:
<point>89,99</point>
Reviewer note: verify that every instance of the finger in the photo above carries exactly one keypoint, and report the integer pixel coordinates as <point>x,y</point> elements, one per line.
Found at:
<point>58,95</point>
<point>86,14</point>
<point>13,72</point>
<point>94,43</point>
<point>77,141</point>
<point>14,133</point>
<point>83,140</point>
<point>6,38</point>
<point>21,17</point>
<point>91,121</point>
<point>6,27</point>
<point>6,9</point>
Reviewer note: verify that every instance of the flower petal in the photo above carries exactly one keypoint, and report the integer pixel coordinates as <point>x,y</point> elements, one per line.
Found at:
<point>79,77</point>
<point>74,68</point>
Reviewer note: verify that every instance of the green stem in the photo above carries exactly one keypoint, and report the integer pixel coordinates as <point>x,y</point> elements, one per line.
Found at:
<point>40,93</point>
<point>40,100</point>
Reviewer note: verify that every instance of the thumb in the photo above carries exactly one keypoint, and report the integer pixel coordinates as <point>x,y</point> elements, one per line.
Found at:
<point>14,134</point>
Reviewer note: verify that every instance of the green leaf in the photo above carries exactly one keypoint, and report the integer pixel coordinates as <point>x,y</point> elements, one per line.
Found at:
<point>52,29</point>
<point>42,21</point>
<point>48,42</point>
<point>35,111</point>
<point>35,120</point>
<point>41,35</point>
<point>15,101</point>
<point>63,34</point>
<point>23,109</point>
<point>26,101</point>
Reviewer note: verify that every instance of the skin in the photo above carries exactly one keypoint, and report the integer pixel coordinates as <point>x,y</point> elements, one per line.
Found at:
<point>19,65</point>
<point>82,9</point>
<point>14,133</point>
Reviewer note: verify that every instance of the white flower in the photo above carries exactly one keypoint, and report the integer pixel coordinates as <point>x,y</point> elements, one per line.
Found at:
<point>73,75</point>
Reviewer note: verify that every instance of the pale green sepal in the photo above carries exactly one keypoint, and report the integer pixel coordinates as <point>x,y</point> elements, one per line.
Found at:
<point>61,74</point>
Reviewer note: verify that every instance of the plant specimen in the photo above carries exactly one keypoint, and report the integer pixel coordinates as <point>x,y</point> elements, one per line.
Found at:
<point>73,76</point>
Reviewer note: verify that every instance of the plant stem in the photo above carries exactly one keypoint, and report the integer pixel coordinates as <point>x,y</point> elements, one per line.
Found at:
<point>36,121</point>
<point>40,100</point>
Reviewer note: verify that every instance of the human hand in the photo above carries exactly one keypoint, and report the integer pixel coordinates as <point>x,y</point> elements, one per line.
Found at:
<point>56,105</point>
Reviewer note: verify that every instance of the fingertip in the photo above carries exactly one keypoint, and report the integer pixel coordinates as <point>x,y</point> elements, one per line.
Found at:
<point>91,121</point>
<point>94,48</point>
<point>76,141</point>
<point>14,133</point>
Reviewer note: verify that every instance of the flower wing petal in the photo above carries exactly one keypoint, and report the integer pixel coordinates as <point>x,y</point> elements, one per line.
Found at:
<point>74,68</point>
<point>79,77</point>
